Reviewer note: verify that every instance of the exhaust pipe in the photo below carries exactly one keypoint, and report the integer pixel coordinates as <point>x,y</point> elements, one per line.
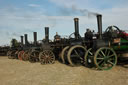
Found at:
<point>47,34</point>
<point>99,22</point>
<point>22,41</point>
<point>35,38</point>
<point>26,39</point>
<point>76,23</point>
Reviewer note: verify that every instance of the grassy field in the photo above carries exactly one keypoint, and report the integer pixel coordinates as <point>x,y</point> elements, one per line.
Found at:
<point>16,72</point>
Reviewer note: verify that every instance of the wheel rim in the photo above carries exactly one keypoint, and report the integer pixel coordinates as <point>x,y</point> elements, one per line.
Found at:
<point>47,57</point>
<point>26,55</point>
<point>105,58</point>
<point>20,55</point>
<point>34,57</point>
<point>88,59</point>
<point>64,54</point>
<point>76,55</point>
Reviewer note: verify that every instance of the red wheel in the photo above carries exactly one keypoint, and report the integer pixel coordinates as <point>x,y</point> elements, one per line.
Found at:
<point>25,55</point>
<point>47,57</point>
<point>20,54</point>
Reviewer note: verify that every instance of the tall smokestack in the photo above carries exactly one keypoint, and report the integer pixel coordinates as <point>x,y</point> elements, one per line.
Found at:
<point>47,34</point>
<point>35,38</point>
<point>22,40</point>
<point>99,22</point>
<point>26,39</point>
<point>76,22</point>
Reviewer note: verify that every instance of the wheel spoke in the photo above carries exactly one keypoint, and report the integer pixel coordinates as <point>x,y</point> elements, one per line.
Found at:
<point>77,53</point>
<point>90,53</point>
<point>105,51</point>
<point>111,59</point>
<point>111,55</point>
<point>100,62</point>
<point>108,53</point>
<point>110,62</point>
<point>102,53</point>
<point>100,58</point>
<point>32,55</point>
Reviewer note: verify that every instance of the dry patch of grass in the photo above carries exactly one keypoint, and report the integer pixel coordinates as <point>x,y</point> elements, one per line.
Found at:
<point>16,72</point>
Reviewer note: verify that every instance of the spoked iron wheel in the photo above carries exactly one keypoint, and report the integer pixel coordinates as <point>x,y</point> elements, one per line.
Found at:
<point>9,54</point>
<point>12,54</point>
<point>88,58</point>
<point>20,54</point>
<point>76,55</point>
<point>26,55</point>
<point>16,54</point>
<point>64,54</point>
<point>47,57</point>
<point>34,56</point>
<point>105,58</point>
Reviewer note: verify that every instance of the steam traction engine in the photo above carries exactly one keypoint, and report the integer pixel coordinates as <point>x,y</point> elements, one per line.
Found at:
<point>33,52</point>
<point>42,52</point>
<point>105,47</point>
<point>24,49</point>
<point>14,49</point>
<point>75,48</point>
<point>46,55</point>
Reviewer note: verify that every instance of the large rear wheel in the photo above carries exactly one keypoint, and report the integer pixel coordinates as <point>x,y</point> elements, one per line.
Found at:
<point>34,56</point>
<point>64,54</point>
<point>105,58</point>
<point>47,57</point>
<point>76,55</point>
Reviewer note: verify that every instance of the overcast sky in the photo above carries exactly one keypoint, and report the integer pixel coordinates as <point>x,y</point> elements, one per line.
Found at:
<point>18,17</point>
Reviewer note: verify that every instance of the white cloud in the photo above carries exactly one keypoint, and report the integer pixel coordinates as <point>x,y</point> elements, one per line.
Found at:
<point>117,15</point>
<point>26,22</point>
<point>33,5</point>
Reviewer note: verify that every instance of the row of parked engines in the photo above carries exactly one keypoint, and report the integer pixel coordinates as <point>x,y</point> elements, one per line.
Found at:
<point>98,50</point>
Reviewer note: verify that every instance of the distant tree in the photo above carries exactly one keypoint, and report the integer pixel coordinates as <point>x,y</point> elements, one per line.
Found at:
<point>14,43</point>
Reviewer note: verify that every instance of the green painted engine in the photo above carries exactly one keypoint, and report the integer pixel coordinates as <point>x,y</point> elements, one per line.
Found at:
<point>105,50</point>
<point>122,45</point>
<point>118,38</point>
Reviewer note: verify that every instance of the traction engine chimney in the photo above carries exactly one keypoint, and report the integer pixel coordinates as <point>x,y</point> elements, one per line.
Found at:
<point>76,22</point>
<point>22,40</point>
<point>26,39</point>
<point>99,22</point>
<point>47,34</point>
<point>35,38</point>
